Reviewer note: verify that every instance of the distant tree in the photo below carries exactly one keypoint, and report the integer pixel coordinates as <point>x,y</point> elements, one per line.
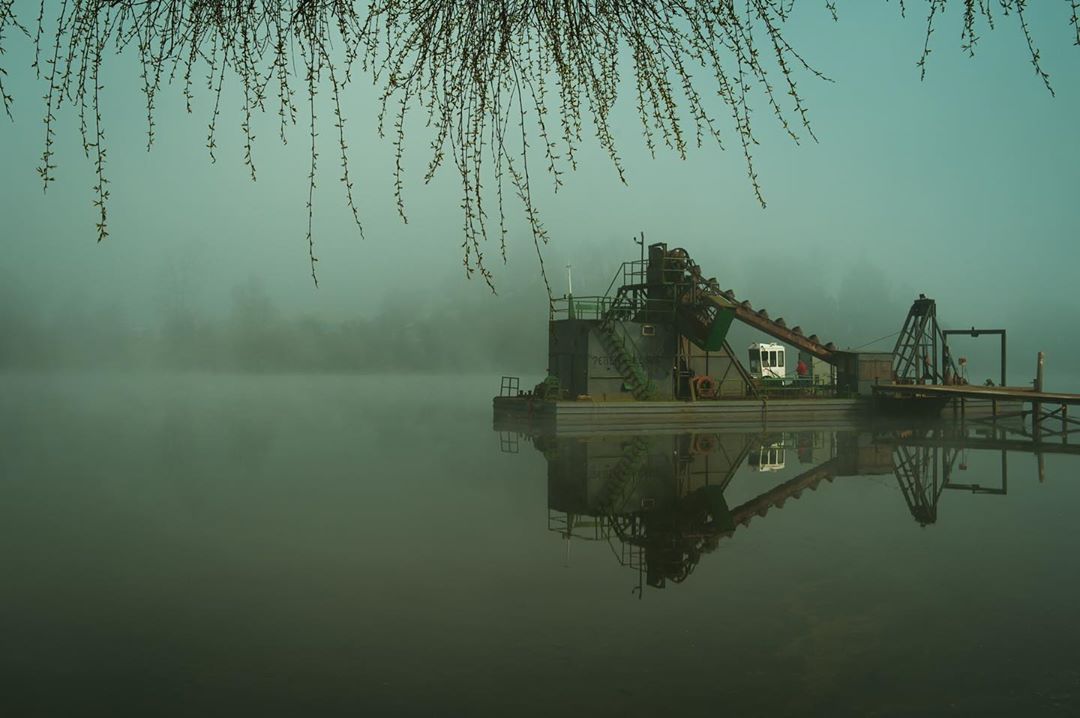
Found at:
<point>492,78</point>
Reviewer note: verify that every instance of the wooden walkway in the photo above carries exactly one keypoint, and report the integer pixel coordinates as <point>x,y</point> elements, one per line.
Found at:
<point>1045,407</point>
<point>1000,393</point>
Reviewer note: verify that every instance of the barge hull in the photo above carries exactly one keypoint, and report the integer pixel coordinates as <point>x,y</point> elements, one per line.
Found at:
<point>644,414</point>
<point>529,411</point>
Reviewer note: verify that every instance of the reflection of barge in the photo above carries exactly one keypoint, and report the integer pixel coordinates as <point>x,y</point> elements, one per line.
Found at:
<point>653,351</point>
<point>664,500</point>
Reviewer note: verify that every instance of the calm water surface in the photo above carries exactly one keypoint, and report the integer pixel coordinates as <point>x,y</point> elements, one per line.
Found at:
<point>369,546</point>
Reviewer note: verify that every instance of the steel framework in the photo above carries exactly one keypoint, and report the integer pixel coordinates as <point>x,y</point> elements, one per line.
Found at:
<point>921,354</point>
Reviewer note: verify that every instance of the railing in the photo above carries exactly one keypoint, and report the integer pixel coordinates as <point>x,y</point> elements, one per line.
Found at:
<point>624,289</point>
<point>597,308</point>
<point>510,386</point>
<point>580,307</point>
<point>628,273</point>
<point>773,389</point>
<point>579,526</point>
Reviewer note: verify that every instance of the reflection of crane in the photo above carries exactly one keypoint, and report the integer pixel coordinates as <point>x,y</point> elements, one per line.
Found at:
<point>777,496</point>
<point>675,542</point>
<point>665,543</point>
<point>670,542</point>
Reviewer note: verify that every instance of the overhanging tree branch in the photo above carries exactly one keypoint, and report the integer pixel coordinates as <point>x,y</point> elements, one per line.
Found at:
<point>486,76</point>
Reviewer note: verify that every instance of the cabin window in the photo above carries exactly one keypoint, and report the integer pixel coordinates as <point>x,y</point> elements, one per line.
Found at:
<point>772,359</point>
<point>781,358</point>
<point>648,330</point>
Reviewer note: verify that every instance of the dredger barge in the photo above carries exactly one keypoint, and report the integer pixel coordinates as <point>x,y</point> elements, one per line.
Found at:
<point>653,351</point>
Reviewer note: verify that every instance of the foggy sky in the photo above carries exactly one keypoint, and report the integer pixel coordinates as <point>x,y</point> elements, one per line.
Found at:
<point>964,186</point>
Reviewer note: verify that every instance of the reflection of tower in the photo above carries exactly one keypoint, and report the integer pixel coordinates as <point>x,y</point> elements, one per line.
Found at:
<point>924,462</point>
<point>923,472</point>
<point>675,540</point>
<point>916,470</point>
<point>658,499</point>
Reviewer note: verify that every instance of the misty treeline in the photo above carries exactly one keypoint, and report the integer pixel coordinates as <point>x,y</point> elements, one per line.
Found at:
<point>456,328</point>
<point>460,333</point>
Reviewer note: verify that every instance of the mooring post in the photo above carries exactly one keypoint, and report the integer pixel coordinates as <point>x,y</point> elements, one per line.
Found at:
<point>1036,406</point>
<point>1003,374</point>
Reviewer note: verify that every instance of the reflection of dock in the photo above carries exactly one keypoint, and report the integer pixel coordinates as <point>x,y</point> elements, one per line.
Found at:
<point>990,444</point>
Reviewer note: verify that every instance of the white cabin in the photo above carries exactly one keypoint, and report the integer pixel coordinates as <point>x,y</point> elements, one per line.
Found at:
<point>767,361</point>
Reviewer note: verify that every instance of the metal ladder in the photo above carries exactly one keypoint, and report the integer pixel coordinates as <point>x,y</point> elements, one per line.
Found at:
<point>631,371</point>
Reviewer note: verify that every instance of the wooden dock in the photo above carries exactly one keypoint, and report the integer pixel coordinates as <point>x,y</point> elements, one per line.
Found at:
<point>1044,408</point>
<point>993,393</point>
